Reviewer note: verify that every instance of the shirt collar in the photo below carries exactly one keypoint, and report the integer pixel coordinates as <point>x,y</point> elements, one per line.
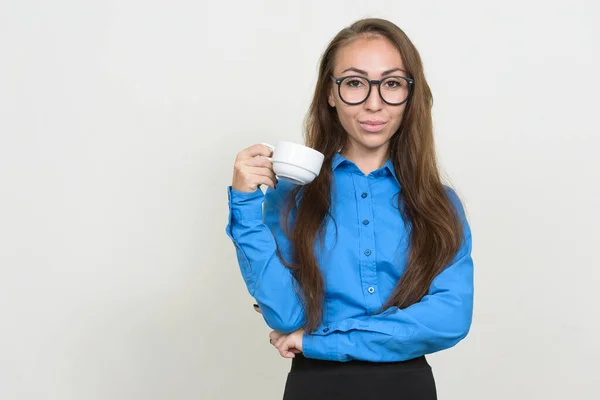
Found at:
<point>337,160</point>
<point>388,167</point>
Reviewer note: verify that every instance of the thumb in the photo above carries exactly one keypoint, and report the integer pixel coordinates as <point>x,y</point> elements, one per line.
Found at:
<point>286,349</point>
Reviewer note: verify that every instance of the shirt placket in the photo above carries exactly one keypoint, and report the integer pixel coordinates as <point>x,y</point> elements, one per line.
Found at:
<point>366,239</point>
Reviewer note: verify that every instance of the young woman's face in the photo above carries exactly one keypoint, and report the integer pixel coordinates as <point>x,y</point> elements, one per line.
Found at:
<point>369,125</point>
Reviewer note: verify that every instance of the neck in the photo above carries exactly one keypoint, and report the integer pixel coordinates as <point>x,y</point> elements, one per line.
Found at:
<point>367,160</point>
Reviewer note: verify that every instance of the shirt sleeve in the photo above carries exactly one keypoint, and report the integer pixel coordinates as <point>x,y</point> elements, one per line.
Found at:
<point>439,321</point>
<point>255,231</point>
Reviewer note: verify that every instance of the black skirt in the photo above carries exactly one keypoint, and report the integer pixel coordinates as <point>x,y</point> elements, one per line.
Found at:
<point>361,380</point>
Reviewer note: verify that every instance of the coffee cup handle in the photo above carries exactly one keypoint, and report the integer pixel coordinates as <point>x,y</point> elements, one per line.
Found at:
<point>270,146</point>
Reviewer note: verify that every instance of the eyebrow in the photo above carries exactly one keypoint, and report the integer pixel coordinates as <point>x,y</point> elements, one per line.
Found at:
<point>362,72</point>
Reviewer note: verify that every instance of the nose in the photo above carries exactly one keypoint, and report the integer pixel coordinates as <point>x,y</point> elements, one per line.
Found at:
<point>374,101</point>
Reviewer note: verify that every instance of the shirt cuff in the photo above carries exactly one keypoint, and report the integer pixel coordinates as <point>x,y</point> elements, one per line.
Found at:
<point>319,347</point>
<point>245,206</point>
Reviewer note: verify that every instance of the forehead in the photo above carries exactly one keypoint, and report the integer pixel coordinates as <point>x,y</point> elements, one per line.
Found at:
<point>373,55</point>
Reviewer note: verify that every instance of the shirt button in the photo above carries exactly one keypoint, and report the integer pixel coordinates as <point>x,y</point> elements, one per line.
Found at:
<point>364,195</point>
<point>371,289</point>
<point>367,252</point>
<point>366,222</point>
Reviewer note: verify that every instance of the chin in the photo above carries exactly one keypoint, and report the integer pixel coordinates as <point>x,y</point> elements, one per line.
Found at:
<point>374,140</point>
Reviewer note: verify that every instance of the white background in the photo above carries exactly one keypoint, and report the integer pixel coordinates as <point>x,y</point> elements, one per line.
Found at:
<point>119,123</point>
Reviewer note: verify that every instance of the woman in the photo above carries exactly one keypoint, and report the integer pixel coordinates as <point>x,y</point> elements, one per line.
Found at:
<point>368,268</point>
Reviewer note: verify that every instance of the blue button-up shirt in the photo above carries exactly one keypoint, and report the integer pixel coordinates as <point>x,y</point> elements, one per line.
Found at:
<point>364,255</point>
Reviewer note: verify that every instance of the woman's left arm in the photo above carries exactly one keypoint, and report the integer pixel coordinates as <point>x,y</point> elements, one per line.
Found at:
<point>439,321</point>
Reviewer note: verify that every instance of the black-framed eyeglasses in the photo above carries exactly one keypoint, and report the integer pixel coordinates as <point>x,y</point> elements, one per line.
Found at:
<point>356,89</point>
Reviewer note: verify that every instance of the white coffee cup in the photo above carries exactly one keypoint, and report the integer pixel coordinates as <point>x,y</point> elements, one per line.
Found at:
<point>295,163</point>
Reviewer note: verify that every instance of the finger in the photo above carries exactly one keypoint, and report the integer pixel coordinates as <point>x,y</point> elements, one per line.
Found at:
<point>284,347</point>
<point>253,151</point>
<point>258,162</point>
<point>261,171</point>
<point>253,182</point>
<point>274,336</point>
<point>261,176</point>
<point>257,309</point>
<point>283,344</point>
<point>278,342</point>
<point>242,166</point>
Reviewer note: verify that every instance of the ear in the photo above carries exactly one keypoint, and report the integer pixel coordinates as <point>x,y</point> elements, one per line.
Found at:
<point>331,98</point>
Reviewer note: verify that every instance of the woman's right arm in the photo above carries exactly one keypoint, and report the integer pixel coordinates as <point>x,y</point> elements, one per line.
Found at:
<point>254,230</point>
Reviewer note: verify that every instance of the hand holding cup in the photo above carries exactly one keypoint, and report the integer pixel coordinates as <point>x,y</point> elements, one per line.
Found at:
<point>253,168</point>
<point>264,164</point>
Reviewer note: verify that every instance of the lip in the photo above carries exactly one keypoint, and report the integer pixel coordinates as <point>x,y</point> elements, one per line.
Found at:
<point>372,125</point>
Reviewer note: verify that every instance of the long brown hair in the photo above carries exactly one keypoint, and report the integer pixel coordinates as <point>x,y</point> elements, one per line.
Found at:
<point>435,228</point>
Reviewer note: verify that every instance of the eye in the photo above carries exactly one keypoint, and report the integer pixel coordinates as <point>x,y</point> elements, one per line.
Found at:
<point>354,83</point>
<point>394,83</point>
